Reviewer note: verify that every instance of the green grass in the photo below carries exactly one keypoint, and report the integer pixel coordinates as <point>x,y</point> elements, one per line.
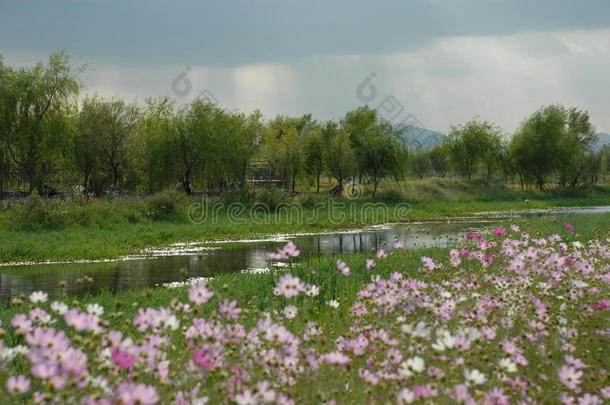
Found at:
<point>108,229</point>
<point>254,291</point>
<point>254,295</point>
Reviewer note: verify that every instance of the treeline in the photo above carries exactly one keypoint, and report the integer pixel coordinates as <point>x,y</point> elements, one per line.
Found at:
<point>51,138</point>
<point>554,145</point>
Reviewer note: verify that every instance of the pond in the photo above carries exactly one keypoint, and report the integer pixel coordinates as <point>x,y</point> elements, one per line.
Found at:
<point>206,259</point>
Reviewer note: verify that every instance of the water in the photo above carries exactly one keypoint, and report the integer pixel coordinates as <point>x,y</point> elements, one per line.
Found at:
<point>208,259</point>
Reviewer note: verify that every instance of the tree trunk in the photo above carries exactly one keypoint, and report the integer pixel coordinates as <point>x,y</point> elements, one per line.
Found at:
<point>374,185</point>
<point>521,180</point>
<point>115,175</point>
<point>85,181</point>
<point>318,183</point>
<point>540,183</point>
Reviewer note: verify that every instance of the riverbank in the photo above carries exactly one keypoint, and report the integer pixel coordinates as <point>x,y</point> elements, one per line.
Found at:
<point>410,286</point>
<point>105,230</point>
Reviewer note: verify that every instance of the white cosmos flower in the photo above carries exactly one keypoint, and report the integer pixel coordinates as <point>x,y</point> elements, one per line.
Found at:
<point>470,333</point>
<point>7,354</point>
<point>171,323</point>
<point>312,291</point>
<point>59,307</point>
<point>95,309</point>
<point>333,304</point>
<point>405,396</point>
<point>444,340</point>
<point>21,350</point>
<point>474,376</point>
<point>414,365</point>
<point>419,330</point>
<point>39,297</point>
<point>508,365</point>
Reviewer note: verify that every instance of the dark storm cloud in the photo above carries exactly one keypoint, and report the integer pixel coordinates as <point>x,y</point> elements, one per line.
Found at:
<point>238,32</point>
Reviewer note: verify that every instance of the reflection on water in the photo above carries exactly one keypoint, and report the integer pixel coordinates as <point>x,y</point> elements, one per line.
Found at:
<point>224,258</point>
<point>208,259</point>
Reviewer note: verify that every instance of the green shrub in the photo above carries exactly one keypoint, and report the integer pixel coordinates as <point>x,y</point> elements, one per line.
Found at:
<point>272,198</point>
<point>310,200</point>
<point>37,213</point>
<point>163,204</point>
<point>389,196</point>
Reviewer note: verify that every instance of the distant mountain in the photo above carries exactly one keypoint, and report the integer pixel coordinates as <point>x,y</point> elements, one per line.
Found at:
<point>416,137</point>
<point>604,139</point>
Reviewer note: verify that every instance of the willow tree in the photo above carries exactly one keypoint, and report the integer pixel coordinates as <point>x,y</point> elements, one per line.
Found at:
<point>314,155</point>
<point>34,104</point>
<point>105,137</point>
<point>156,132</point>
<point>378,148</point>
<point>339,157</point>
<point>553,141</point>
<point>471,145</point>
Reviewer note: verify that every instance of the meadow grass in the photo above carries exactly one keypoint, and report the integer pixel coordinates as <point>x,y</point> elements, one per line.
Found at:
<point>477,288</point>
<point>110,229</point>
<point>254,291</point>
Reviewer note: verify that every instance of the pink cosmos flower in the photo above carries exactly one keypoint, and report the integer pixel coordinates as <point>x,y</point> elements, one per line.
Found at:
<point>497,396</point>
<point>203,359</point>
<point>21,323</point>
<point>290,312</point>
<point>499,231</point>
<point>44,371</point>
<point>200,294</point>
<point>288,251</point>
<point>474,235</point>
<point>369,264</point>
<point>568,227</point>
<point>589,399</point>
<point>18,385</point>
<point>121,358</point>
<point>570,377</point>
<point>335,358</point>
<point>132,394</point>
<point>603,305</point>
<point>229,309</point>
<point>288,286</point>
<point>424,391</point>
<point>429,263</point>
<point>342,266</point>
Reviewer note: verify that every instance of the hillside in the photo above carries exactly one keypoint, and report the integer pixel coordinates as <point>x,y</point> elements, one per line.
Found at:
<point>416,137</point>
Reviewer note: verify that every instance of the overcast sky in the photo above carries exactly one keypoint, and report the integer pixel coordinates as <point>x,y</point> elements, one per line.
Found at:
<point>436,62</point>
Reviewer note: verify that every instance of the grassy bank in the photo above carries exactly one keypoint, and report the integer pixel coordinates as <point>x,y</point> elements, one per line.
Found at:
<point>467,297</point>
<point>253,289</point>
<point>58,230</point>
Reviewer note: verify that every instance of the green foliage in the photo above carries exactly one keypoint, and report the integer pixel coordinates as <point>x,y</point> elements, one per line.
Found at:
<point>34,105</point>
<point>377,147</point>
<point>389,196</point>
<point>474,145</point>
<point>161,205</point>
<point>554,140</point>
<point>439,160</point>
<point>420,163</point>
<point>272,198</point>
<point>38,214</point>
<point>339,157</point>
<point>111,147</point>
